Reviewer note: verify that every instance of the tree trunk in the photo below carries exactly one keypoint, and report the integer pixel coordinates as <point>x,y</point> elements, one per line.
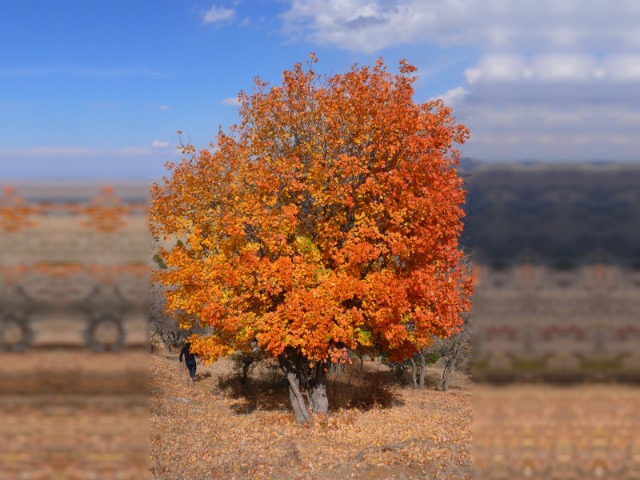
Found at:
<point>414,372</point>
<point>423,370</point>
<point>297,400</point>
<point>318,390</point>
<point>449,365</point>
<point>291,366</point>
<point>445,377</point>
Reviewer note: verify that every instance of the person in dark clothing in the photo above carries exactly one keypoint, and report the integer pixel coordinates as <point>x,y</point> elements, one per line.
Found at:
<point>189,359</point>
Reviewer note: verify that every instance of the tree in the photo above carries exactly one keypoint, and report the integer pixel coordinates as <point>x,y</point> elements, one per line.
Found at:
<point>419,363</point>
<point>451,351</point>
<point>327,218</point>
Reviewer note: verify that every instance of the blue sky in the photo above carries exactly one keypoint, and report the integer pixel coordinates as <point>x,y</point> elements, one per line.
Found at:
<point>98,89</point>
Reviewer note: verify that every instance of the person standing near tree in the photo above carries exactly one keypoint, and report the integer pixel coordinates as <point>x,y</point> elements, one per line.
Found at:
<point>189,360</point>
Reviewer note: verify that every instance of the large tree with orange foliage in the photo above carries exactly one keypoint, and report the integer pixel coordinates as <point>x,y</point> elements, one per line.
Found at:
<point>328,218</point>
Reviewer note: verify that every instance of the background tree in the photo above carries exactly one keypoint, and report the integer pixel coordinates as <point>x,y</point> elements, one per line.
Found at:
<point>419,363</point>
<point>328,218</point>
<point>451,351</point>
<point>165,333</point>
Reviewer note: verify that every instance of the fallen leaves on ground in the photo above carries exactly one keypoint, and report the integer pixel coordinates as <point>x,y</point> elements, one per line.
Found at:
<point>200,431</point>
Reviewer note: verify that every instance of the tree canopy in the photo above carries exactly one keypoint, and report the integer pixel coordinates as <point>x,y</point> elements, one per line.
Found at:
<point>327,218</point>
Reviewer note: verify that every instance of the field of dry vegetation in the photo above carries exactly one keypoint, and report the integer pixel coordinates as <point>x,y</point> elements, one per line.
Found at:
<point>217,428</point>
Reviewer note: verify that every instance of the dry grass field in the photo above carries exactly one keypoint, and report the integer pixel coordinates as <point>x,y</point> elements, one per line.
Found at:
<point>216,428</point>
<point>103,426</point>
<point>73,414</point>
<point>551,432</point>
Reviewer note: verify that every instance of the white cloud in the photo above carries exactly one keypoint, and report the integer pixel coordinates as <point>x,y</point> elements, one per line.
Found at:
<point>584,118</point>
<point>164,108</point>
<point>549,145</point>
<point>552,106</point>
<point>364,25</point>
<point>371,25</point>
<point>159,144</point>
<point>231,102</point>
<point>622,68</point>
<point>554,69</point>
<point>452,96</point>
<point>559,68</point>
<point>497,68</point>
<point>217,14</point>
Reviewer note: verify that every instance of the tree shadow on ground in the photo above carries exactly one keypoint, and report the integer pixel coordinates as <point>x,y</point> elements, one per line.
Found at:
<point>202,376</point>
<point>375,389</point>
<point>256,393</point>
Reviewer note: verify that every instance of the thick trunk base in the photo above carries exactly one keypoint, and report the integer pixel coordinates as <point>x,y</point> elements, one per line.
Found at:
<point>315,397</point>
<point>300,410</point>
<point>319,399</point>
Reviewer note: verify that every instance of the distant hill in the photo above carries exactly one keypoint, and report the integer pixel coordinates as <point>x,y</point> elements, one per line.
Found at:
<point>561,214</point>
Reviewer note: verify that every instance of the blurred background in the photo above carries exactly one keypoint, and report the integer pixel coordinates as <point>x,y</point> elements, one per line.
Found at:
<point>556,308</point>
<point>73,330</point>
<point>556,250</point>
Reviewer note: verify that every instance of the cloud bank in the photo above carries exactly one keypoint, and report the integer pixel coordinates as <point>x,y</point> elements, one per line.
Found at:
<point>552,79</point>
<point>371,25</point>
